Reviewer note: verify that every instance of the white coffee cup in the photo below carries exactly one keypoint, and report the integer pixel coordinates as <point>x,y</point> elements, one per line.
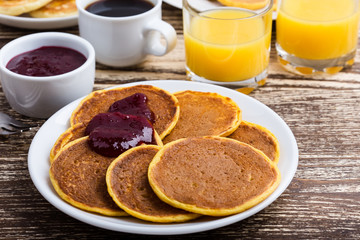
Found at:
<point>126,41</point>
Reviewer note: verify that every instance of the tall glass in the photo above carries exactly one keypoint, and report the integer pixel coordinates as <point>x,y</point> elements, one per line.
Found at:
<point>227,46</point>
<point>317,35</point>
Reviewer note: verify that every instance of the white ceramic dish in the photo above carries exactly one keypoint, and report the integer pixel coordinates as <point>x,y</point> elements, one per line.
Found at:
<point>38,23</point>
<point>41,97</point>
<point>253,111</point>
<point>178,4</point>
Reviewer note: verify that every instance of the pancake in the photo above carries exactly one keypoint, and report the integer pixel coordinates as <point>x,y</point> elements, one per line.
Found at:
<point>248,4</point>
<point>163,104</point>
<point>213,176</point>
<point>56,8</point>
<point>18,7</point>
<point>128,185</point>
<point>258,137</point>
<point>72,133</point>
<point>78,176</point>
<point>204,114</point>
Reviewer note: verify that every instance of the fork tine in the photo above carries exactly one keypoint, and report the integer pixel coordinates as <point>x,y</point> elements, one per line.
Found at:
<point>8,125</point>
<point>4,131</point>
<point>21,125</point>
<point>10,128</point>
<point>6,119</point>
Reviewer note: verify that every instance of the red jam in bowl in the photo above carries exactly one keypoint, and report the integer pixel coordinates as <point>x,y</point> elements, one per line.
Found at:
<point>46,61</point>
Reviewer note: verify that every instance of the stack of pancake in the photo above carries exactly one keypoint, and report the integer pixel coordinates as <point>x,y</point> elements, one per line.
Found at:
<point>39,8</point>
<point>206,161</point>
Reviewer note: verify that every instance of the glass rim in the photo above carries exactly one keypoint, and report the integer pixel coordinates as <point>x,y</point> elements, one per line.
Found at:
<point>263,11</point>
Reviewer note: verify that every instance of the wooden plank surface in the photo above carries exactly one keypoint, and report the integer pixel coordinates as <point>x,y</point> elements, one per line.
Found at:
<point>322,202</point>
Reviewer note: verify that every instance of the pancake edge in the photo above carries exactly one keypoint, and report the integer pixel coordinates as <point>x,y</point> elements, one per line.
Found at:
<point>64,139</point>
<point>136,214</point>
<point>75,203</point>
<point>236,122</point>
<point>271,135</point>
<point>23,8</point>
<point>50,10</point>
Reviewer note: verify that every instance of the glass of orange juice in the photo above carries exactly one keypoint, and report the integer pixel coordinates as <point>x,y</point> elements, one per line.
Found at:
<point>227,46</point>
<point>317,36</point>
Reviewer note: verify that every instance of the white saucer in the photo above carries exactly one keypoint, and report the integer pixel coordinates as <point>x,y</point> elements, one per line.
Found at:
<point>38,23</point>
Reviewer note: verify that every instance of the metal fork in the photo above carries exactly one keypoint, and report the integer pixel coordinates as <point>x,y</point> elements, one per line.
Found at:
<point>9,125</point>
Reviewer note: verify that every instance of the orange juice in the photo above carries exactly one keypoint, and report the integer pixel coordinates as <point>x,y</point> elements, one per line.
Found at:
<point>318,29</point>
<point>227,45</point>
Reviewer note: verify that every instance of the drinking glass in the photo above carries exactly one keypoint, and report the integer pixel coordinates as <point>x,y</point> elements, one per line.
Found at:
<point>227,46</point>
<point>317,36</point>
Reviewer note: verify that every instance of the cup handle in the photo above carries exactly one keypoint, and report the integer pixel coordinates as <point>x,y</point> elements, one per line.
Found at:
<point>153,40</point>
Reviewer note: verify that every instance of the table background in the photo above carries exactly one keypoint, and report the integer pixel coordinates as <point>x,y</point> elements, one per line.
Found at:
<point>322,202</point>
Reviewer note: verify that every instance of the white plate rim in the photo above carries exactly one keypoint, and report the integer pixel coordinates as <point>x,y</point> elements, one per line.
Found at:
<point>253,110</point>
<point>38,23</point>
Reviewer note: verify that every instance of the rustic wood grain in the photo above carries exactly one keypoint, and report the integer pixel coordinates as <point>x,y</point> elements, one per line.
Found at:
<point>322,202</point>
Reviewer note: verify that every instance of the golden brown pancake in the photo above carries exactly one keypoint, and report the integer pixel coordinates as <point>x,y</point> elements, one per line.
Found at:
<point>248,4</point>
<point>204,114</point>
<point>163,104</point>
<point>18,7</point>
<point>128,185</point>
<point>78,176</point>
<point>72,133</point>
<point>214,176</point>
<point>258,137</point>
<point>56,8</point>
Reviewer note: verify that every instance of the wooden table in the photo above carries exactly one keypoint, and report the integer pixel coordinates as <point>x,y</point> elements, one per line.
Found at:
<point>322,201</point>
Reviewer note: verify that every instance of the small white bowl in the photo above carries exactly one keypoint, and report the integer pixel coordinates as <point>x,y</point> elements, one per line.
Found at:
<point>40,97</point>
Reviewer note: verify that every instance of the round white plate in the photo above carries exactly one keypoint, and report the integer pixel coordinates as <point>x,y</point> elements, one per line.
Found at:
<point>38,23</point>
<point>252,110</point>
<point>178,4</point>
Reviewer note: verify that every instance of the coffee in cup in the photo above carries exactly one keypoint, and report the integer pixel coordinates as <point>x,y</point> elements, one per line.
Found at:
<point>115,8</point>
